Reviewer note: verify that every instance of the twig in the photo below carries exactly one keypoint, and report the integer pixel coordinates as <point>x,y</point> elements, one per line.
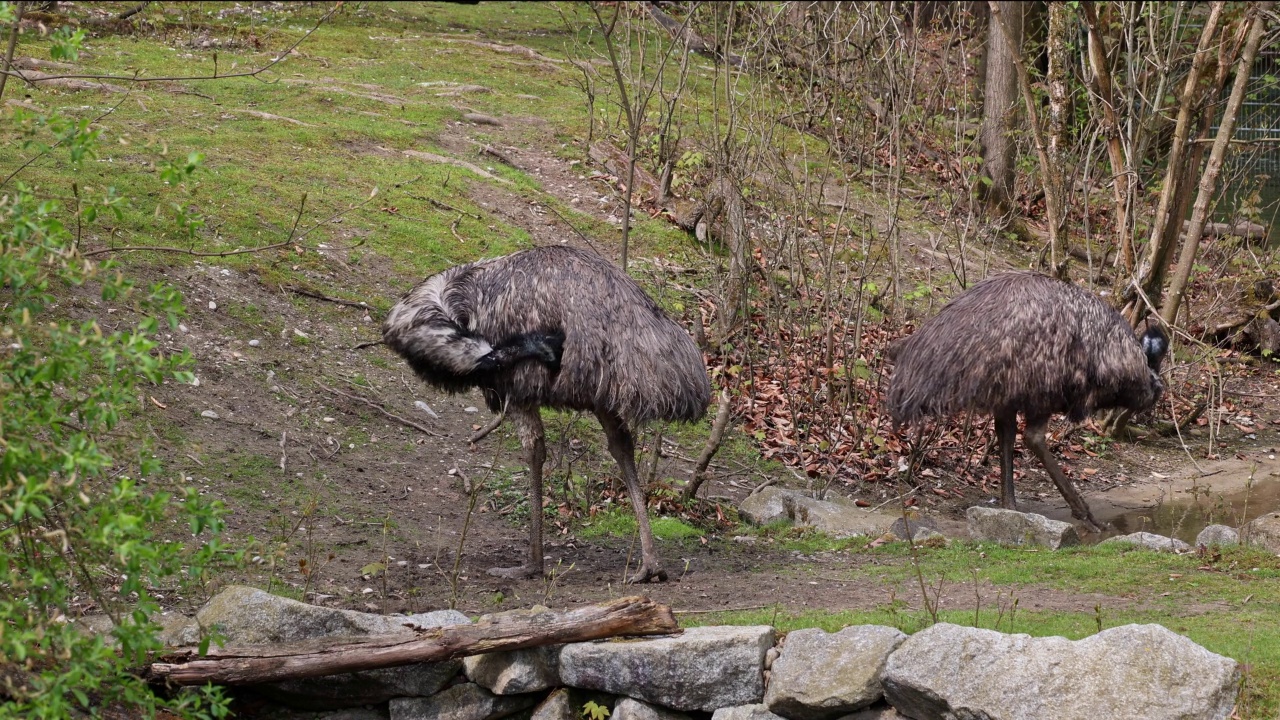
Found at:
<point>445,206</point>
<point>49,149</point>
<point>492,425</point>
<point>585,239</point>
<point>454,229</point>
<point>313,294</point>
<point>369,343</point>
<point>384,411</point>
<point>284,452</point>
<point>13,43</point>
<point>720,610</point>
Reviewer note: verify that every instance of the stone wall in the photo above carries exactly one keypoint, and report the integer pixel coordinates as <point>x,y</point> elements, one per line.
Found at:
<point>745,673</point>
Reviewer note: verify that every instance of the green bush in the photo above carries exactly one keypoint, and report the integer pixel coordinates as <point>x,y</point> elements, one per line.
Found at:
<point>79,493</point>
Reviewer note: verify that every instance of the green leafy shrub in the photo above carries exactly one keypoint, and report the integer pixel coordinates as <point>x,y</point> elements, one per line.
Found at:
<point>80,495</point>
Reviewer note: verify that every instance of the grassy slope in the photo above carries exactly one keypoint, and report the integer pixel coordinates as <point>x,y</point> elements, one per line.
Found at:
<point>258,170</point>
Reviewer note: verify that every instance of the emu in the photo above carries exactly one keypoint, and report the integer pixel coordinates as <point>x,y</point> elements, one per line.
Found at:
<point>561,328</point>
<point>1026,343</point>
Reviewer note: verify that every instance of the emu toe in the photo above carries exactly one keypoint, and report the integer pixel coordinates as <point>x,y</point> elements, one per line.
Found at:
<point>648,574</point>
<point>519,572</point>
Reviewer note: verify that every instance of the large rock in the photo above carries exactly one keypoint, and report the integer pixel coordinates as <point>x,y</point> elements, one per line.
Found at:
<point>1010,527</point>
<point>1134,671</point>
<point>704,668</point>
<point>839,520</point>
<point>467,701</point>
<point>629,709</point>
<point>517,671</point>
<point>822,675</point>
<point>1263,532</point>
<point>764,507</point>
<point>250,616</point>
<point>1218,535</point>
<point>879,712</point>
<point>745,712</point>
<point>914,528</point>
<point>1150,541</point>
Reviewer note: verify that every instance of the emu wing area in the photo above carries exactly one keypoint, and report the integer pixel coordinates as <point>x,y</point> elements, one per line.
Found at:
<point>1020,342</point>
<point>622,355</point>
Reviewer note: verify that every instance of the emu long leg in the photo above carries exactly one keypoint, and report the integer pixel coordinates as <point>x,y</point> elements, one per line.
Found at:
<point>1006,433</point>
<point>533,439</point>
<point>622,448</point>
<point>1034,435</point>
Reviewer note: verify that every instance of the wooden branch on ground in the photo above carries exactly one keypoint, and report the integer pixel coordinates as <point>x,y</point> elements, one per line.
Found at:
<point>384,411</point>
<point>492,425</point>
<point>682,32</point>
<point>506,631</point>
<point>1242,229</point>
<point>318,296</point>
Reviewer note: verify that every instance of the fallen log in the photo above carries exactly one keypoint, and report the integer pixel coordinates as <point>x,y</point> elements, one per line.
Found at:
<point>1242,229</point>
<point>251,664</point>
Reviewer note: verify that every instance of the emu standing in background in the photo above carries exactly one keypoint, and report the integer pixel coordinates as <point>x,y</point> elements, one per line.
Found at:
<point>1026,343</point>
<point>562,328</point>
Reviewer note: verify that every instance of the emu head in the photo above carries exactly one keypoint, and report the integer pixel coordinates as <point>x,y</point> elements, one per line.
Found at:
<point>1155,345</point>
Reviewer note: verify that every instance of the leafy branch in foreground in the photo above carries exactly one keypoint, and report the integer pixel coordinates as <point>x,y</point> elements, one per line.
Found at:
<point>80,497</point>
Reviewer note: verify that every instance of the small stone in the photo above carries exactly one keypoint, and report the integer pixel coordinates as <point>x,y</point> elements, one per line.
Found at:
<point>426,409</point>
<point>255,343</point>
<point>471,409</point>
<point>184,328</point>
<point>209,414</point>
<point>328,419</point>
<point>213,305</point>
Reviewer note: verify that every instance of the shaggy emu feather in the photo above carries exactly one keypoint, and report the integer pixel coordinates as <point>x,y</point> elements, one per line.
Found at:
<point>1026,343</point>
<point>562,328</point>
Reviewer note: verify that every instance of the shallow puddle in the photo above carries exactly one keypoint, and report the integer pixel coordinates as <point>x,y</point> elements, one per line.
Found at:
<point>1184,518</point>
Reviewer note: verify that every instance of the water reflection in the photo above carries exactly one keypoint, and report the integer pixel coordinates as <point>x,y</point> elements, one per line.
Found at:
<point>1184,517</point>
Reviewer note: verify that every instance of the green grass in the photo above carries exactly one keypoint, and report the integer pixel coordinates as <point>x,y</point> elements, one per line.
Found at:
<point>621,523</point>
<point>1227,604</point>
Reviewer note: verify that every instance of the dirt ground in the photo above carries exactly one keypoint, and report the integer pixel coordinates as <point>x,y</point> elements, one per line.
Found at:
<point>331,488</point>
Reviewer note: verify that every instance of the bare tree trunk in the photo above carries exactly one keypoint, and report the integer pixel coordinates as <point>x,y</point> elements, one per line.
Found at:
<point>13,45</point>
<point>1209,179</point>
<point>505,631</point>
<point>1049,171</point>
<point>738,239</point>
<point>1060,23</point>
<point>999,106</point>
<point>1103,88</point>
<point>1150,274</point>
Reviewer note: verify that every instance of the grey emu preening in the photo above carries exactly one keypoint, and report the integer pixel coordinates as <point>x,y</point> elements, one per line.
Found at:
<point>1026,343</point>
<point>562,328</point>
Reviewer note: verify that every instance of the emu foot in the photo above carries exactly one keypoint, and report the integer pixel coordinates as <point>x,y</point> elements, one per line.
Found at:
<point>519,572</point>
<point>648,573</point>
